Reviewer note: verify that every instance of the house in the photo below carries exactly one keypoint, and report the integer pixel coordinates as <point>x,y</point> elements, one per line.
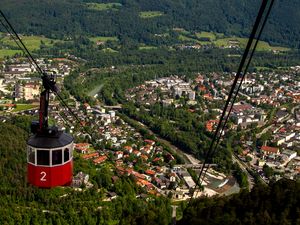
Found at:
<point>112,114</point>
<point>266,150</point>
<point>128,149</point>
<point>159,183</point>
<point>137,175</point>
<point>111,195</point>
<point>245,114</point>
<point>80,179</point>
<point>261,162</point>
<point>100,160</point>
<point>146,149</point>
<point>86,106</point>
<point>90,156</point>
<point>119,162</point>
<point>208,97</point>
<point>8,106</point>
<point>157,160</point>
<point>119,154</point>
<point>143,183</point>
<point>82,147</point>
<point>31,91</point>
<point>149,142</point>
<point>210,125</point>
<point>150,172</point>
<point>172,177</point>
<point>144,157</point>
<point>290,154</point>
<point>158,169</point>
<point>199,79</point>
<point>136,153</point>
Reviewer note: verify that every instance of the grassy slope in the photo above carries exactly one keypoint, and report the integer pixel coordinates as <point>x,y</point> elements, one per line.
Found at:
<point>220,41</point>
<point>103,6</point>
<point>102,38</point>
<point>10,48</point>
<point>150,14</point>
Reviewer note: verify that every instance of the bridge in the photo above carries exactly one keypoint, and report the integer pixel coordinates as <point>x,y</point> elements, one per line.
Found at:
<point>194,166</point>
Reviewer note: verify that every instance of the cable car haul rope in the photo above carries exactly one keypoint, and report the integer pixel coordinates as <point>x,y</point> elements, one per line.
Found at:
<point>49,151</point>
<point>255,35</point>
<point>50,159</point>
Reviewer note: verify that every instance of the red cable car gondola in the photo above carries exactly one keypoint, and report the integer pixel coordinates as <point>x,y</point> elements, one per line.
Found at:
<point>49,151</point>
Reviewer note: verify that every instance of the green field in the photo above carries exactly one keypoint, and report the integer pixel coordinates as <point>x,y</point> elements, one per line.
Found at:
<point>188,39</point>
<point>31,42</point>
<point>147,47</point>
<point>150,14</point>
<point>181,30</point>
<point>262,46</point>
<point>9,48</point>
<point>21,107</point>
<point>103,6</point>
<point>218,40</point>
<point>210,35</point>
<point>8,52</point>
<point>104,39</point>
<point>109,50</point>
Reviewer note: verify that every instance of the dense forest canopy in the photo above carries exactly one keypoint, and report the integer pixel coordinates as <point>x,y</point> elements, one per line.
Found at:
<point>274,204</point>
<point>125,19</point>
<point>22,203</point>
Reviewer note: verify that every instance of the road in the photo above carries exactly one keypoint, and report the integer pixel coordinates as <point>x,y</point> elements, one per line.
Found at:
<point>192,159</point>
<point>264,131</point>
<point>293,111</point>
<point>244,167</point>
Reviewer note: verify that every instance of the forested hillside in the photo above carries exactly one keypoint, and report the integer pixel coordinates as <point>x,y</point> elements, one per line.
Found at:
<point>21,203</point>
<point>24,204</point>
<point>275,204</point>
<point>151,21</point>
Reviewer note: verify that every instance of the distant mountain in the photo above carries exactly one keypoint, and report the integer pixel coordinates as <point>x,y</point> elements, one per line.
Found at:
<point>131,19</point>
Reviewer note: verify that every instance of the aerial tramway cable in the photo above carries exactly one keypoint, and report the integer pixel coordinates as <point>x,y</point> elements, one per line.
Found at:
<point>240,83</point>
<point>43,74</point>
<point>28,55</point>
<point>222,123</point>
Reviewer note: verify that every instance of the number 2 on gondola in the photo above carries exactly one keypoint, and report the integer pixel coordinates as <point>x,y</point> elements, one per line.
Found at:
<point>43,176</point>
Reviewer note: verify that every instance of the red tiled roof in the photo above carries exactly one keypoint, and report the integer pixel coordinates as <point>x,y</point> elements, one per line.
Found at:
<point>8,105</point>
<point>82,145</point>
<point>157,159</point>
<point>144,157</point>
<point>208,96</point>
<point>128,148</point>
<point>150,142</point>
<point>89,156</point>
<point>100,159</point>
<point>136,152</point>
<point>150,172</point>
<point>209,124</point>
<point>138,175</point>
<point>270,149</point>
<point>241,108</point>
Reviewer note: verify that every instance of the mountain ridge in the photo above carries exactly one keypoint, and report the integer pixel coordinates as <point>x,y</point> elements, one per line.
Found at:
<point>73,17</point>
